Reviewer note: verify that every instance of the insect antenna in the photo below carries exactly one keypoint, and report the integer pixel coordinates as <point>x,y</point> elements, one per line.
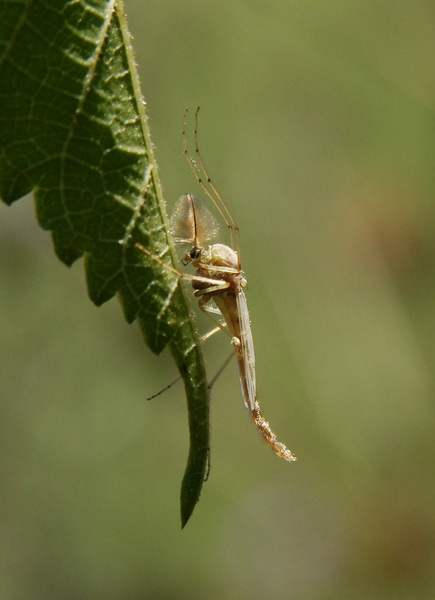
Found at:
<point>199,169</point>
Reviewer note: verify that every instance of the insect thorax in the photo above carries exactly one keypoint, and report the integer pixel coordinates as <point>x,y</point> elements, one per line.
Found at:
<point>221,255</point>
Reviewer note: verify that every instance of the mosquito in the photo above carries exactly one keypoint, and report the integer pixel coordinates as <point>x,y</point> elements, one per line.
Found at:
<point>218,281</point>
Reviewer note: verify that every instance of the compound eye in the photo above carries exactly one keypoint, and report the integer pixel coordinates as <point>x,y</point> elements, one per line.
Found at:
<point>195,253</point>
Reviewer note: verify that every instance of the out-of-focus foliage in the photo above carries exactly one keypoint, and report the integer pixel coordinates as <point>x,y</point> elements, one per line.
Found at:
<point>318,127</point>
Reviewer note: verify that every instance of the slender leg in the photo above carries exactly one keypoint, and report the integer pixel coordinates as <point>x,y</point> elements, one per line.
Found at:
<point>217,284</point>
<point>202,339</point>
<point>210,311</point>
<point>208,335</point>
<point>165,389</point>
<point>199,170</point>
<point>221,369</point>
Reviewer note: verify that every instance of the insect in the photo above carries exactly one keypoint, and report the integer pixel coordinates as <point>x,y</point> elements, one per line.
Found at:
<point>218,281</point>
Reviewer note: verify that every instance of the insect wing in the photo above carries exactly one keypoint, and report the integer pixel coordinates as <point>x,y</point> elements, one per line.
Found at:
<point>247,366</point>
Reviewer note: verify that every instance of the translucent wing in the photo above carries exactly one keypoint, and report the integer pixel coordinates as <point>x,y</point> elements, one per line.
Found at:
<point>245,355</point>
<point>192,222</point>
<point>246,361</point>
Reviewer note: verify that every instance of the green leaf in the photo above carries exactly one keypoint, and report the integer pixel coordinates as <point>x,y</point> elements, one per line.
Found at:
<point>74,130</point>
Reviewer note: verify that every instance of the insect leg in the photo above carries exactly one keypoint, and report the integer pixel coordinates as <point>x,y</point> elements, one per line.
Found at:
<point>210,312</point>
<point>165,389</point>
<point>202,339</point>
<point>216,283</point>
<point>221,368</point>
<point>197,167</point>
<point>208,335</point>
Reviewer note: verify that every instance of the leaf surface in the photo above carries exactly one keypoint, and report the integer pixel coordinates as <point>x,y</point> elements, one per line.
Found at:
<point>74,130</point>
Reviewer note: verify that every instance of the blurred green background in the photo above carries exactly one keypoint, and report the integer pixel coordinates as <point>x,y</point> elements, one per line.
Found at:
<point>318,126</point>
